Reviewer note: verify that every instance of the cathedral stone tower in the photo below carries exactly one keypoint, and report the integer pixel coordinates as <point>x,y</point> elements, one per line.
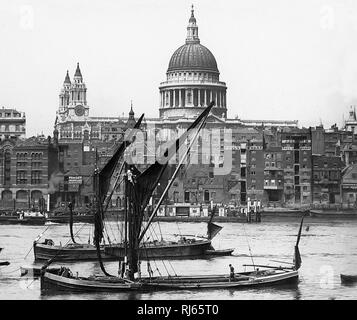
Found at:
<point>73,98</point>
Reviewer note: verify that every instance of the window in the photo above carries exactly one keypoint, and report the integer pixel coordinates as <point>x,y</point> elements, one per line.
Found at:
<point>21,177</point>
<point>206,195</point>
<point>187,196</point>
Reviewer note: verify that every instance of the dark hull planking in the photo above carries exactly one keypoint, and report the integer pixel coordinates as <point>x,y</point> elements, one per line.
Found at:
<point>53,282</point>
<point>44,252</point>
<point>76,219</point>
<point>88,252</point>
<point>35,221</point>
<point>348,279</point>
<point>166,250</point>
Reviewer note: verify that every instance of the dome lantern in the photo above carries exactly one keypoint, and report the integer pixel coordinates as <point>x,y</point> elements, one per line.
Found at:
<point>192,29</point>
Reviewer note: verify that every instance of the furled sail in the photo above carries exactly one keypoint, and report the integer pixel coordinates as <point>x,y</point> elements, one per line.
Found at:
<point>140,187</point>
<point>297,257</point>
<point>106,173</point>
<point>101,184</point>
<point>70,206</point>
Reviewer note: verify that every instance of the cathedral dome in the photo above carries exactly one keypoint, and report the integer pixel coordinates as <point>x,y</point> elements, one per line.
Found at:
<point>192,80</point>
<point>193,56</point>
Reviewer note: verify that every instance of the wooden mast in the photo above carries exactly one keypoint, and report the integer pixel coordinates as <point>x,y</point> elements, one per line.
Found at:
<point>125,221</point>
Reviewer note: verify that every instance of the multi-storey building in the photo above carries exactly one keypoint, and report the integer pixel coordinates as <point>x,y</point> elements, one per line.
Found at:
<point>349,185</point>
<point>273,175</point>
<point>12,124</point>
<point>326,179</point>
<point>296,162</point>
<point>27,166</point>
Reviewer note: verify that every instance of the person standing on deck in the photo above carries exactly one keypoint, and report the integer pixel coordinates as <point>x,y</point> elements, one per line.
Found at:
<point>231,272</point>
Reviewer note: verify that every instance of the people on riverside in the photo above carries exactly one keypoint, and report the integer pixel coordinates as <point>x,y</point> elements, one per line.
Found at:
<point>258,216</point>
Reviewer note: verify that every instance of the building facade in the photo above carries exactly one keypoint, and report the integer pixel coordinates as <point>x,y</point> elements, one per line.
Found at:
<point>326,179</point>
<point>12,124</point>
<point>27,166</point>
<point>296,148</point>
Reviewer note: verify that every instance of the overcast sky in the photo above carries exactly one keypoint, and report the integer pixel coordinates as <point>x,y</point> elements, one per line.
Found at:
<point>294,60</point>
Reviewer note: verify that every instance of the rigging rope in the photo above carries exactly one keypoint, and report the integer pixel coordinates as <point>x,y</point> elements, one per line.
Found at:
<point>250,251</point>
<point>39,236</point>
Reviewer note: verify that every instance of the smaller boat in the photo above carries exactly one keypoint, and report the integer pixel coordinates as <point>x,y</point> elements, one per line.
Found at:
<point>78,217</point>
<point>4,263</point>
<point>333,214</point>
<point>283,213</point>
<point>35,271</point>
<point>23,217</point>
<point>223,252</point>
<point>348,279</point>
<point>70,252</point>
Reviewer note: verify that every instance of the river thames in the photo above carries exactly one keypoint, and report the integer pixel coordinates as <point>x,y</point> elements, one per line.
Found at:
<point>327,247</point>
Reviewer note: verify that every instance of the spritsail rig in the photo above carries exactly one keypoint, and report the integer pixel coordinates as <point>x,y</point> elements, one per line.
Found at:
<point>139,187</point>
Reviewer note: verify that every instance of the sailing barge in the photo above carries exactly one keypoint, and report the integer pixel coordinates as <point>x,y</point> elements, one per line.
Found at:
<point>139,187</point>
<point>153,250</point>
<point>157,249</point>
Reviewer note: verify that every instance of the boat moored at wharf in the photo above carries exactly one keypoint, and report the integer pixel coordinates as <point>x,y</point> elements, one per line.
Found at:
<point>334,214</point>
<point>28,217</point>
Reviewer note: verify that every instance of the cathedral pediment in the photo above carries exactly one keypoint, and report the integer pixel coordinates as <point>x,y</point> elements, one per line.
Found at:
<point>215,119</point>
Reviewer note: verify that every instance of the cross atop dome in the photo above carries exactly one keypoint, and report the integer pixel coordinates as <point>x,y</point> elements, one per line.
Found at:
<point>192,18</point>
<point>192,29</point>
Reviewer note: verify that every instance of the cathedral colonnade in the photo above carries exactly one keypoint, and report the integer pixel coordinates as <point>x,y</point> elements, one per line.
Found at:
<point>197,97</point>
